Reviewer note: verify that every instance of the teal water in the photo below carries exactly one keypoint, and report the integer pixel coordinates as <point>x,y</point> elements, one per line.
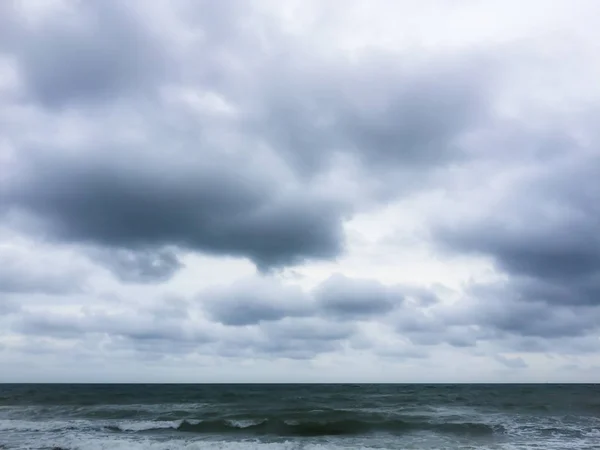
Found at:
<point>173,417</point>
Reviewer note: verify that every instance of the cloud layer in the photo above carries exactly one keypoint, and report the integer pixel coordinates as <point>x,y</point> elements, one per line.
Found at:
<point>221,183</point>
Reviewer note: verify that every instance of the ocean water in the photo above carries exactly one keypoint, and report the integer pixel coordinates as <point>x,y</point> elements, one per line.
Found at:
<point>289,417</point>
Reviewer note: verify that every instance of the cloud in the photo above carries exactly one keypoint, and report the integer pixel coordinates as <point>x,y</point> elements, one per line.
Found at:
<point>171,326</point>
<point>86,52</point>
<point>139,266</point>
<point>254,301</point>
<point>546,240</point>
<point>144,325</point>
<point>259,300</point>
<point>260,317</point>
<point>503,309</point>
<point>211,206</point>
<point>493,315</point>
<point>291,338</point>
<point>157,138</point>
<point>412,119</point>
<point>309,329</point>
<point>536,221</point>
<point>511,363</point>
<point>343,297</point>
<point>229,148</point>
<point>27,271</point>
<point>8,306</point>
<point>290,321</point>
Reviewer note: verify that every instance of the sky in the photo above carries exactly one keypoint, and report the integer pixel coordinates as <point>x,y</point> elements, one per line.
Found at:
<point>299,191</point>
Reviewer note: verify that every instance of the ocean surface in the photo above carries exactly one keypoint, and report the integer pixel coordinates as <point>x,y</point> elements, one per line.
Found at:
<point>279,417</point>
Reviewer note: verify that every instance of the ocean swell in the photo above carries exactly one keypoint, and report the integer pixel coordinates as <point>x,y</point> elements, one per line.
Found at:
<point>289,428</point>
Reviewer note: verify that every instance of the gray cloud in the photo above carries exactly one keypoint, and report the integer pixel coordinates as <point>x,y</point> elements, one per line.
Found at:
<point>494,315</point>
<point>546,240</point>
<point>96,51</point>
<point>540,232</point>
<point>228,175</point>
<point>172,326</point>
<point>8,306</point>
<point>266,300</point>
<point>166,324</point>
<point>292,321</point>
<point>309,329</point>
<point>212,207</point>
<point>434,325</point>
<point>137,134</point>
<point>342,302</point>
<point>292,338</point>
<point>142,266</point>
<point>503,309</point>
<point>386,115</point>
<point>29,274</point>
<point>141,326</point>
<point>511,363</point>
<point>344,297</point>
<point>254,301</point>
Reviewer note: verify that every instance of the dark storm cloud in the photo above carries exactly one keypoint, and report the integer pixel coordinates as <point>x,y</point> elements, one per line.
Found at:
<point>543,232</point>
<point>541,248</point>
<point>303,111</point>
<point>210,207</point>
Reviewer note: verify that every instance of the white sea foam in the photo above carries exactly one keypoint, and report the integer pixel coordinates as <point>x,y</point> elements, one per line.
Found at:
<point>78,442</point>
<point>97,443</point>
<point>244,423</point>
<point>145,425</point>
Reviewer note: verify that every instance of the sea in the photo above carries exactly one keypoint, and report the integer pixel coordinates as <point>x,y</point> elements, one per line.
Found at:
<point>299,416</point>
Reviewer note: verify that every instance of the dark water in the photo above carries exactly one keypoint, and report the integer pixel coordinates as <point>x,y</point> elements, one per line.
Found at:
<point>274,417</point>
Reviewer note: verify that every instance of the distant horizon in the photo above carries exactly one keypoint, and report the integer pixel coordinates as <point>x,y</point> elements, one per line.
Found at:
<point>305,383</point>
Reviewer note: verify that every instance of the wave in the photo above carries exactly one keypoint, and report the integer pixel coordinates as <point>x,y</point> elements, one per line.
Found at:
<point>145,425</point>
<point>126,444</point>
<point>260,427</point>
<point>288,428</point>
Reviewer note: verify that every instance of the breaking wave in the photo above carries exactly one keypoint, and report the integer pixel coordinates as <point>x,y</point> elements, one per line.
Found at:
<point>285,428</point>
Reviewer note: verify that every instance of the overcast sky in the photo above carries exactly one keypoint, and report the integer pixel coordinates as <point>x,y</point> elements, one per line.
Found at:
<point>300,190</point>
